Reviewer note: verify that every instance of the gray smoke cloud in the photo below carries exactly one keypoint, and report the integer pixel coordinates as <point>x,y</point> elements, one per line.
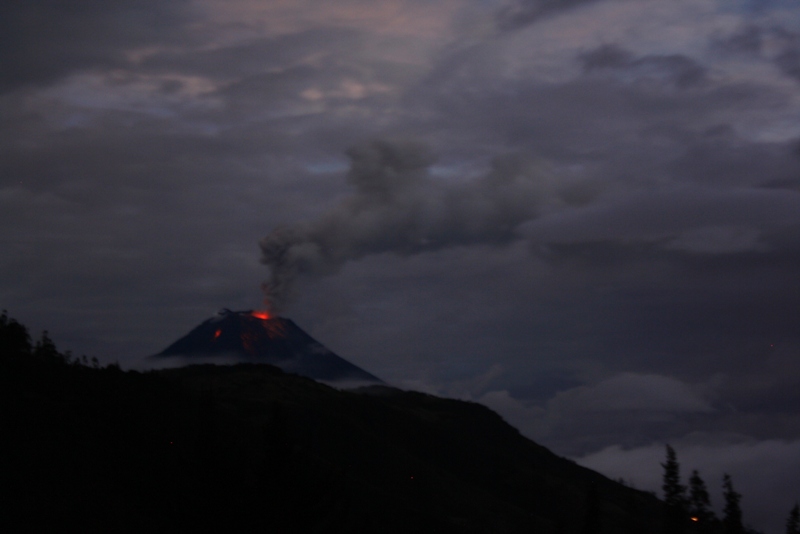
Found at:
<point>398,206</point>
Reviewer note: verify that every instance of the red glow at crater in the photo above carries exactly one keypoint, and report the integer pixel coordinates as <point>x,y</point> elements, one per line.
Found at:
<point>217,334</point>
<point>261,315</point>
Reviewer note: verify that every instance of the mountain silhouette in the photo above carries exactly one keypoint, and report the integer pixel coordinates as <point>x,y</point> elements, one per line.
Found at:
<point>257,337</point>
<point>250,448</point>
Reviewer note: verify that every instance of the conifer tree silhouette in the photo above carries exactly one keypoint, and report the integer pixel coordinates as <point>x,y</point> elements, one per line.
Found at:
<point>45,348</point>
<point>700,504</point>
<point>732,518</point>
<point>793,522</point>
<point>15,342</point>
<point>676,519</point>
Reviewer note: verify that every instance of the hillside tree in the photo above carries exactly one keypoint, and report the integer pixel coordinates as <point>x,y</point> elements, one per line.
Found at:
<point>793,522</point>
<point>700,504</point>
<point>15,342</point>
<point>677,518</point>
<point>732,518</point>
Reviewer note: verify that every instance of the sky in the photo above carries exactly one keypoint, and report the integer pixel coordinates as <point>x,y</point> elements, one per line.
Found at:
<point>584,214</point>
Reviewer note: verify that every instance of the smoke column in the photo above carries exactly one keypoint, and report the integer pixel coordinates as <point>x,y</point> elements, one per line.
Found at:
<point>399,207</point>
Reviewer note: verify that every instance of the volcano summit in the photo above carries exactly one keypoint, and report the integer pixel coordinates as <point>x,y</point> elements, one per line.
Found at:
<point>258,337</point>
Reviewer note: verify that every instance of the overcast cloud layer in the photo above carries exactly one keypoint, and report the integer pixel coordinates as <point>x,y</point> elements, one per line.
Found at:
<point>584,214</point>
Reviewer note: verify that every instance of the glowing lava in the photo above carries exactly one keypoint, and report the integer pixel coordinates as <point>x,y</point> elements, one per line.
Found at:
<point>261,315</point>
<point>217,334</point>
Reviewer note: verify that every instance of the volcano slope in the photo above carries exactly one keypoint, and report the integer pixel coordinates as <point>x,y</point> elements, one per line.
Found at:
<point>250,448</point>
<point>252,336</point>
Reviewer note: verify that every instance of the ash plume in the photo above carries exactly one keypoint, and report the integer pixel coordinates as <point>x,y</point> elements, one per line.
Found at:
<point>398,206</point>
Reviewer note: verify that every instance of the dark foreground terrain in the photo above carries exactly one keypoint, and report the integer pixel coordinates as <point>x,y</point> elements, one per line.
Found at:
<point>249,448</point>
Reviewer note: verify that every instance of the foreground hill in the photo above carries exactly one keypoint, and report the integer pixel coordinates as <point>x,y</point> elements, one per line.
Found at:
<point>249,448</point>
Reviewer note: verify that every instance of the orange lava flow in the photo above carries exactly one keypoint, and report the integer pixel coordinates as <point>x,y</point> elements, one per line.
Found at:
<point>261,315</point>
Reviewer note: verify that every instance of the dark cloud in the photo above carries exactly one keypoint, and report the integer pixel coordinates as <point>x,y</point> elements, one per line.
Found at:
<point>718,157</point>
<point>746,40</point>
<point>44,40</point>
<point>629,122</point>
<point>606,57</point>
<point>677,69</point>
<point>525,12</point>
<point>789,61</point>
<point>787,58</point>
<point>778,43</point>
<point>254,57</point>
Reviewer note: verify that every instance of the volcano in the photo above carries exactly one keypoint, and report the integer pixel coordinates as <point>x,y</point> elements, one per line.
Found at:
<point>257,337</point>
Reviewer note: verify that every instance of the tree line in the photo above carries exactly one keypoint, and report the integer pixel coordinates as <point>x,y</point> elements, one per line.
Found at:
<point>689,508</point>
<point>16,343</point>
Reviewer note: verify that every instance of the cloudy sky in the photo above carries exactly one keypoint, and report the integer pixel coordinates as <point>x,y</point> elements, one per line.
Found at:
<point>582,213</point>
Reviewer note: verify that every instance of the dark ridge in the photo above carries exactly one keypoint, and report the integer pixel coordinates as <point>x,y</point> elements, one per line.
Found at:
<point>249,448</point>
